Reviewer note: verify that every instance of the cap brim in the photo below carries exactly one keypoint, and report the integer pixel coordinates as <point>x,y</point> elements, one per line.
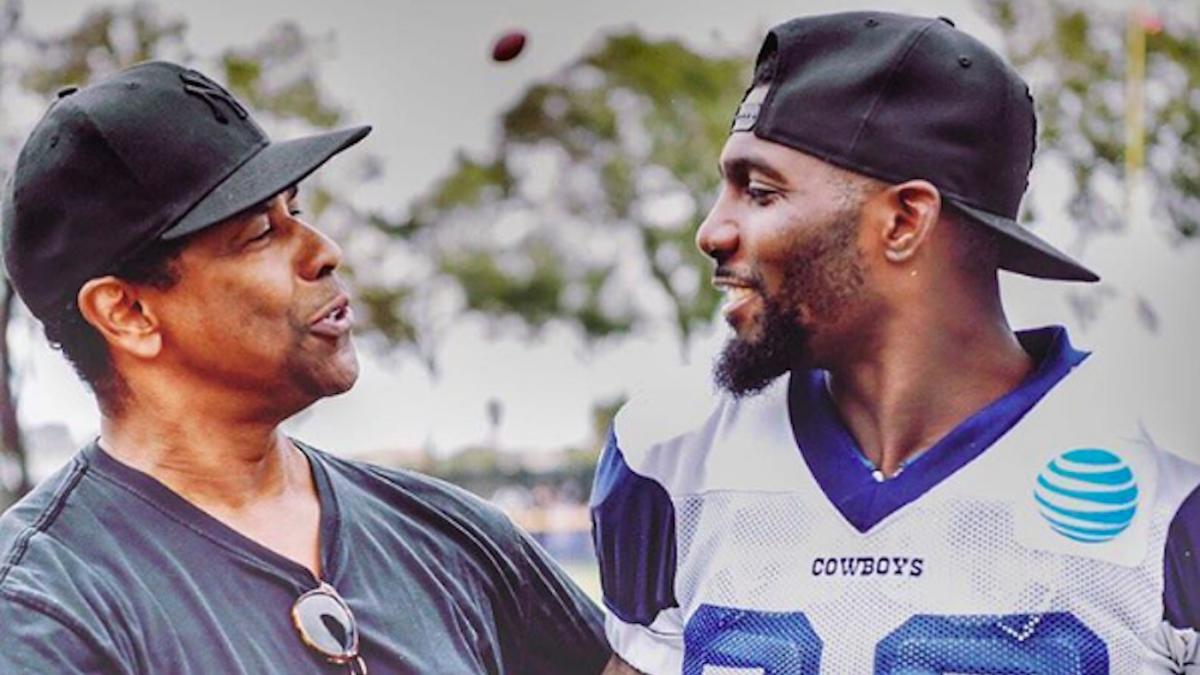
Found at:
<point>1026,253</point>
<point>273,169</point>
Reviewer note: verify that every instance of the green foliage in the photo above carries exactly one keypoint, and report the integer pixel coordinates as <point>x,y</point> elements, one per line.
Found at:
<point>564,220</point>
<point>692,99</point>
<point>603,413</point>
<point>575,119</point>
<point>1081,53</point>
<point>106,40</point>
<point>275,76</point>
<point>484,471</point>
<point>470,183</point>
<point>533,295</point>
<point>254,74</point>
<point>386,310</point>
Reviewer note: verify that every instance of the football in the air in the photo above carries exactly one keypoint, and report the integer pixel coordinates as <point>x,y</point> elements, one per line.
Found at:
<point>508,46</point>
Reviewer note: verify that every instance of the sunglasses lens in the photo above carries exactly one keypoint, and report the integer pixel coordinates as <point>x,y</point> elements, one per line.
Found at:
<point>326,624</point>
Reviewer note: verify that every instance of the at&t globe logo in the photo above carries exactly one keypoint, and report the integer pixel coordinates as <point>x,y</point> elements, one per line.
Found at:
<point>1087,495</point>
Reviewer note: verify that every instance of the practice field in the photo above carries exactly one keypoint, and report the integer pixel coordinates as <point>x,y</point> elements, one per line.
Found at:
<point>565,532</point>
<point>587,575</point>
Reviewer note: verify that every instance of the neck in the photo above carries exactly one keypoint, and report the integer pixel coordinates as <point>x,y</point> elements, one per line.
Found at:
<point>223,452</point>
<point>928,374</point>
<point>217,462</point>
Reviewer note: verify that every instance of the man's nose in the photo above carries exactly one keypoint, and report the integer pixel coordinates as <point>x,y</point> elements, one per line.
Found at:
<point>322,254</point>
<point>717,236</point>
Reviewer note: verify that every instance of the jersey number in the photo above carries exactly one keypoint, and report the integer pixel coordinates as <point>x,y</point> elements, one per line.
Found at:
<point>784,643</point>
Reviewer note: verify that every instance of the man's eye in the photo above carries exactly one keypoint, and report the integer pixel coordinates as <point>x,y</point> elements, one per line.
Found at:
<point>760,196</point>
<point>266,232</point>
<point>294,211</point>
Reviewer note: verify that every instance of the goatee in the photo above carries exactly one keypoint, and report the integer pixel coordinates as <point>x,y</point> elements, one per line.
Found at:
<point>824,276</point>
<point>746,367</point>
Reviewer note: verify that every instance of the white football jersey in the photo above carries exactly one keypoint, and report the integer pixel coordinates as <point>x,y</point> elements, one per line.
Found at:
<point>1046,534</point>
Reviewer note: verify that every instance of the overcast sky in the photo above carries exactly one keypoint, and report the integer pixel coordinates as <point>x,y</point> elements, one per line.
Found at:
<point>418,71</point>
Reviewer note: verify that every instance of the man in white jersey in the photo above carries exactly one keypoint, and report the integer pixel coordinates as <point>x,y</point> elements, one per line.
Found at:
<point>892,480</point>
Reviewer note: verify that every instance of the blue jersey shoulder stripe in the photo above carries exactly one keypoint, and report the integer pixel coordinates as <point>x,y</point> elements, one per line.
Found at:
<point>1181,573</point>
<point>633,527</point>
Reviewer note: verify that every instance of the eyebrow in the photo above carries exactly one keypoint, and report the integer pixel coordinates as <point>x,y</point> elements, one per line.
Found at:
<point>740,168</point>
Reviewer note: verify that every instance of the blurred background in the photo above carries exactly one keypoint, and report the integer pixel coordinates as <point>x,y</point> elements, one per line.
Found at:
<point>518,235</point>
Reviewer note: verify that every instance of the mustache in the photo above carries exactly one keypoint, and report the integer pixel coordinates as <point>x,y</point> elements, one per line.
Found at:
<point>750,279</point>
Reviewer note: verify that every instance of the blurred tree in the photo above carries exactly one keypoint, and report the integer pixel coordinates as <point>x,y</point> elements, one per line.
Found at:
<point>14,478</point>
<point>1077,58</point>
<point>485,471</point>
<point>275,75</point>
<point>584,212</point>
<point>1117,94</point>
<point>603,414</point>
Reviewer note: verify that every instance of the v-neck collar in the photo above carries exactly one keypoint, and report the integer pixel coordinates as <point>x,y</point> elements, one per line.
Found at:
<point>171,504</point>
<point>848,479</point>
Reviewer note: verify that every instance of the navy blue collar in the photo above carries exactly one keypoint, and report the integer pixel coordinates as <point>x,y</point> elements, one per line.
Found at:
<point>847,478</point>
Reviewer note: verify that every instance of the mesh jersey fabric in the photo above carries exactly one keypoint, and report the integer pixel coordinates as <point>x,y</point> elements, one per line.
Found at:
<point>772,567</point>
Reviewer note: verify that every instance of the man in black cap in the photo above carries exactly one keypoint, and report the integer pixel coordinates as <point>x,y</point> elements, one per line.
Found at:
<point>153,228</point>
<point>893,480</point>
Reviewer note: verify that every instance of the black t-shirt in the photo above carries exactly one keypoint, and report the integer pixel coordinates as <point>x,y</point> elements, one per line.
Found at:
<point>104,569</point>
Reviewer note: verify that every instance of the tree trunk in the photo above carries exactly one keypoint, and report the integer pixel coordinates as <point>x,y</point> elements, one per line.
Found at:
<point>12,448</point>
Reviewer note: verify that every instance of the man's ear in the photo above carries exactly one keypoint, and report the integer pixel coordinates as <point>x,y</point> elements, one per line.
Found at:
<point>114,308</point>
<point>914,208</point>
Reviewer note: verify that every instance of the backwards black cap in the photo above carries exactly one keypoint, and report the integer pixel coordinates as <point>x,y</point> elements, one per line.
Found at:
<point>899,97</point>
<point>156,152</point>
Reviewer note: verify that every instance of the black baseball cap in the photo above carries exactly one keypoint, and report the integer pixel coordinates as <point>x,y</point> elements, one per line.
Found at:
<point>156,152</point>
<point>899,97</point>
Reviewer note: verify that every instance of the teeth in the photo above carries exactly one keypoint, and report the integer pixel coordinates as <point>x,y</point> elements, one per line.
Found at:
<point>734,294</point>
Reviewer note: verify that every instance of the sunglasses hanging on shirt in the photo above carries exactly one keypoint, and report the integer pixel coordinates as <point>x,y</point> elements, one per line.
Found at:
<point>327,626</point>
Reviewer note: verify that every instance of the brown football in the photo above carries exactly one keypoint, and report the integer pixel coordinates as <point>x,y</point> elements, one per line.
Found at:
<point>508,46</point>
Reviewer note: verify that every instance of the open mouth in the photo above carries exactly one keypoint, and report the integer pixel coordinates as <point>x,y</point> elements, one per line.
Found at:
<point>336,321</point>
<point>736,294</point>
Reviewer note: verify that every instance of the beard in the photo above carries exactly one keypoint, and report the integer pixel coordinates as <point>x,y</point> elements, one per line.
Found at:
<point>824,276</point>
<point>746,367</point>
